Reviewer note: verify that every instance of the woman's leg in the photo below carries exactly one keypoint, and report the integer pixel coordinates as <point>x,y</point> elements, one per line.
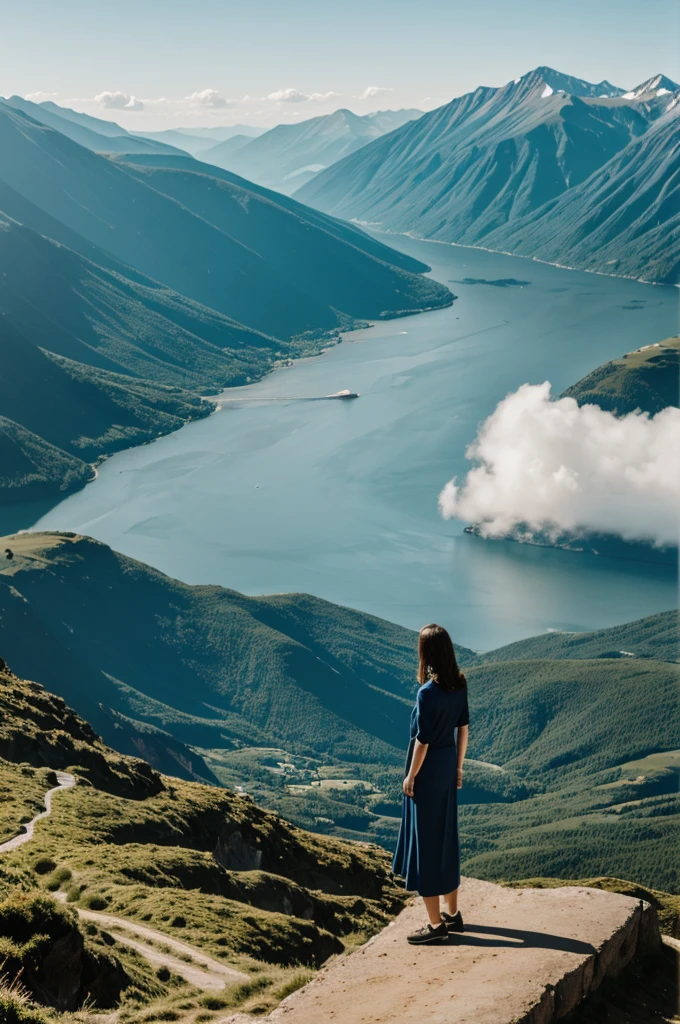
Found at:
<point>432,908</point>
<point>451,900</point>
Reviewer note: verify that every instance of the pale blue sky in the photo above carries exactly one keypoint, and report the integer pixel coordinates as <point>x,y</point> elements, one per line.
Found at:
<point>416,52</point>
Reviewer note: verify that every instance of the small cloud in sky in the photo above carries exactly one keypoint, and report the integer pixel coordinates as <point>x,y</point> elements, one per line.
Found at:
<point>295,96</point>
<point>554,466</point>
<point>39,96</point>
<point>118,101</point>
<point>209,98</point>
<point>372,91</point>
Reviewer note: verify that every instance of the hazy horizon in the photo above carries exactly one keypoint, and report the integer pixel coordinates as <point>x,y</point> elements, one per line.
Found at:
<point>126,64</point>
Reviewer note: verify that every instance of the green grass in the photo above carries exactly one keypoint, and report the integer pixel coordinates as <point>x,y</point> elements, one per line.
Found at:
<point>22,794</point>
<point>647,379</point>
<point>16,1006</point>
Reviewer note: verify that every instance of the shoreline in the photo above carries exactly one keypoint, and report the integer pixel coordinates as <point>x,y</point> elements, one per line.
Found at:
<point>370,227</point>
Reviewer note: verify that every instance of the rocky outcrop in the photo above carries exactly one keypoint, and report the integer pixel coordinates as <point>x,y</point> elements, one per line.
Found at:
<point>528,956</point>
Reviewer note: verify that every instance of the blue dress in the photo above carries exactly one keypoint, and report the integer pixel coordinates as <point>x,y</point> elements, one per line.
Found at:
<point>427,853</point>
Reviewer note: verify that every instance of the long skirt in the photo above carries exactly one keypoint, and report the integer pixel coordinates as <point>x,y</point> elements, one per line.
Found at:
<point>428,854</point>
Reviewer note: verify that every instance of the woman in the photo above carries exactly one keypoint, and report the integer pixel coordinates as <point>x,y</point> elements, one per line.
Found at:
<point>427,853</point>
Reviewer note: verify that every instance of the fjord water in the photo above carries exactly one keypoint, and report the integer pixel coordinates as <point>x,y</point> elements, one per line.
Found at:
<point>339,498</point>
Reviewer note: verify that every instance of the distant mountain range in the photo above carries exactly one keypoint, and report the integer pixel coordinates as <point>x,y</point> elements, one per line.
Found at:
<point>122,281</point>
<point>289,155</point>
<point>548,165</point>
<point>92,132</point>
<point>197,141</point>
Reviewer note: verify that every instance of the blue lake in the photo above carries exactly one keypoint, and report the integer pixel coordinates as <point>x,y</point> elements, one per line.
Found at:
<point>339,499</point>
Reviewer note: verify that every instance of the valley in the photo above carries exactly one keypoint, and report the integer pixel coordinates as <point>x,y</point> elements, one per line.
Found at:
<point>248,498</point>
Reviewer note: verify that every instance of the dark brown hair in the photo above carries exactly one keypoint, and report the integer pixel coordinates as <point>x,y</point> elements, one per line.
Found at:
<point>437,658</point>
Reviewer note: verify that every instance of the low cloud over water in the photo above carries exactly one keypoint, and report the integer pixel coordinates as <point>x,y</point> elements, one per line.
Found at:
<point>553,466</point>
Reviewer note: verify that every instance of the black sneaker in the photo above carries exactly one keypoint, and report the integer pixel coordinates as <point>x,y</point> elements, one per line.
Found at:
<point>428,934</point>
<point>453,922</point>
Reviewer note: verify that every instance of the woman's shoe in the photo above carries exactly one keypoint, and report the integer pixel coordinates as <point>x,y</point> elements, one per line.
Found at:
<point>428,934</point>
<point>453,922</point>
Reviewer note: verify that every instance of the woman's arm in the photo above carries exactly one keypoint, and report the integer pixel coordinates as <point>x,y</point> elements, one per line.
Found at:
<point>463,732</point>
<point>419,752</point>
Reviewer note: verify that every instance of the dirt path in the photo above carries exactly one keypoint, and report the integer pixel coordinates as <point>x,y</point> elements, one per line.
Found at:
<point>65,781</point>
<point>202,970</point>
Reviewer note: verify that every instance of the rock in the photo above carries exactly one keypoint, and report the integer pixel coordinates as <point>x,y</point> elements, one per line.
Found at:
<point>528,956</point>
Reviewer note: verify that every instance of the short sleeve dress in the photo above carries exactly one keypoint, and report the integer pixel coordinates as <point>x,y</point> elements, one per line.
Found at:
<point>428,854</point>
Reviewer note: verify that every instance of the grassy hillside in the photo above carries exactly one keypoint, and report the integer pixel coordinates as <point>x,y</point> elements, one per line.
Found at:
<point>305,706</point>
<point>192,862</point>
<point>648,379</point>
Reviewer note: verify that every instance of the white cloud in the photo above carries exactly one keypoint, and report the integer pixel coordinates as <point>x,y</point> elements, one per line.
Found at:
<point>208,98</point>
<point>118,101</point>
<point>288,96</point>
<point>557,467</point>
<point>39,96</point>
<point>372,91</point>
<point>295,96</point>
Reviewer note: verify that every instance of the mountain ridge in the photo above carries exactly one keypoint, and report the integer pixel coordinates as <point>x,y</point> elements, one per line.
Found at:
<point>494,167</point>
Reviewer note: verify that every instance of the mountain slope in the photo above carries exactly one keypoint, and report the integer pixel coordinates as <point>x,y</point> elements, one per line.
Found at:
<point>485,158</point>
<point>305,705</point>
<point>126,215</point>
<point>92,132</point>
<point>75,414</point>
<point>547,166</point>
<point>111,318</point>
<point>288,155</point>
<point>648,379</point>
<point>656,637</point>
<point>246,669</point>
<point>203,870</point>
<point>624,219</point>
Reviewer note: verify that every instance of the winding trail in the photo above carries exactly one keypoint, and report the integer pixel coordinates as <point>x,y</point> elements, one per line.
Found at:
<point>64,781</point>
<point>193,965</point>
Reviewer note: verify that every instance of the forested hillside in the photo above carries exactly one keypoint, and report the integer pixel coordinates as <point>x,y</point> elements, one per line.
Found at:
<point>170,282</point>
<point>305,705</point>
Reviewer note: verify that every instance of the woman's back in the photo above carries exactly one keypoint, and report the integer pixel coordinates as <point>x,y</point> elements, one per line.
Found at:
<point>438,713</point>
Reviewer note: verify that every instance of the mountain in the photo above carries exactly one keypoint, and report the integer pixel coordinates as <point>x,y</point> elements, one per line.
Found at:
<point>75,415</point>
<point>648,379</point>
<point>97,358</point>
<point>197,141</point>
<point>305,705</point>
<point>219,884</point>
<point>658,85</point>
<point>559,82</point>
<point>288,155</point>
<point>254,670</point>
<point>522,169</point>
<point>159,222</point>
<point>92,132</point>
<point>624,219</point>
<point>656,637</point>
<point>104,315</point>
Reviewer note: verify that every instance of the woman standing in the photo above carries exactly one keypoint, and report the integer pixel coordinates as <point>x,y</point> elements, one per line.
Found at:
<point>427,854</point>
